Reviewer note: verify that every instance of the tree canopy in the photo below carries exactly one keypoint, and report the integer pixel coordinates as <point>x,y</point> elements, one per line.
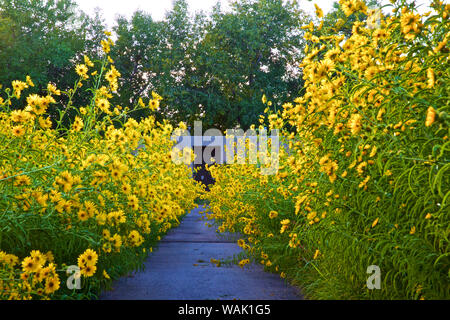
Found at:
<point>210,67</point>
<point>41,38</point>
<point>213,68</point>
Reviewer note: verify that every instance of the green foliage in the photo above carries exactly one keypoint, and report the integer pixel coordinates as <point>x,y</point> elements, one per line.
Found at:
<point>41,38</point>
<point>63,208</point>
<point>246,53</point>
<point>365,181</point>
<point>212,68</point>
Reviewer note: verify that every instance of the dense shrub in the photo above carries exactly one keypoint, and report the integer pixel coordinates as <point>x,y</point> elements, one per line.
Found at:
<point>83,195</point>
<point>366,178</point>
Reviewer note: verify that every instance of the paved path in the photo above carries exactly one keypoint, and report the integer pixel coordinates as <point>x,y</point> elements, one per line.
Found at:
<point>181,270</point>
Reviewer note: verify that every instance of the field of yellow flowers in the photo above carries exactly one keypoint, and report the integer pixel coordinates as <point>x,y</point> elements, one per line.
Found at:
<point>80,196</point>
<point>366,179</point>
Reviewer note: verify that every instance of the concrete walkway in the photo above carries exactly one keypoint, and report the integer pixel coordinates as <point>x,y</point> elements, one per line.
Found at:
<point>181,270</point>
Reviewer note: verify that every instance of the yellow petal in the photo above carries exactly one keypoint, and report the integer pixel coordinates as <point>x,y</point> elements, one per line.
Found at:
<point>374,223</point>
